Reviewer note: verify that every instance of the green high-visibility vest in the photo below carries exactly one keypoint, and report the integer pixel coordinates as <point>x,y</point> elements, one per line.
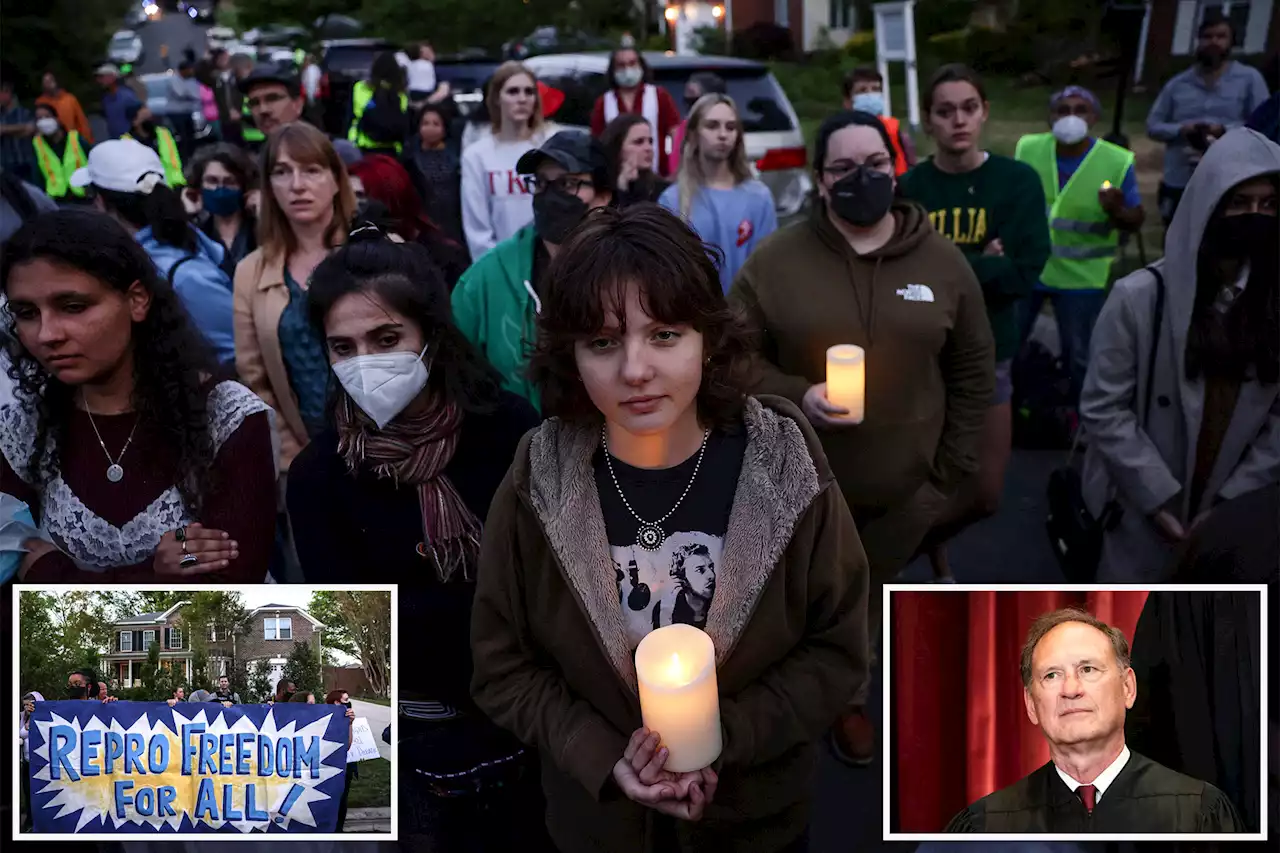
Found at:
<point>361,95</point>
<point>168,151</point>
<point>1083,237</point>
<point>57,174</point>
<point>249,132</point>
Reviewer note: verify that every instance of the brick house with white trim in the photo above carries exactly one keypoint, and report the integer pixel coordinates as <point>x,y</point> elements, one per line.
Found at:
<point>273,629</point>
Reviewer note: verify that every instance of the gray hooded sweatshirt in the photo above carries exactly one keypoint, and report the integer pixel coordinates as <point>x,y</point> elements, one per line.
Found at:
<point>1146,466</point>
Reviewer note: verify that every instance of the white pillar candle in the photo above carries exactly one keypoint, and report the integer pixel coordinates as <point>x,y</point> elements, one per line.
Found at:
<point>676,671</point>
<point>847,380</point>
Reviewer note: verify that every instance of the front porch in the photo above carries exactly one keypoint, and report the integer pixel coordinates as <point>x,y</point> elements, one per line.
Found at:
<point>127,672</point>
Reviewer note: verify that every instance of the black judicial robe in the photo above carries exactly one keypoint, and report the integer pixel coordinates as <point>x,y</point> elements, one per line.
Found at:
<point>1145,797</point>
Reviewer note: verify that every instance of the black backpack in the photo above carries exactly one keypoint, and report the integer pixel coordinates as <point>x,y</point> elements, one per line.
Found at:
<point>383,120</point>
<point>1042,414</point>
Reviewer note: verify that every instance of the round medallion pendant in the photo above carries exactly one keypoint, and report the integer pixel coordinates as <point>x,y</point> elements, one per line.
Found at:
<point>650,537</point>
<point>115,473</point>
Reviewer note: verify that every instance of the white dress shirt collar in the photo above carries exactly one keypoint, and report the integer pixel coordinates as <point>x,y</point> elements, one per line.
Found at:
<point>1105,778</point>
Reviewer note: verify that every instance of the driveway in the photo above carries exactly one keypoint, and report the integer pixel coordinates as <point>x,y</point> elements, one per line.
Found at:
<point>379,717</point>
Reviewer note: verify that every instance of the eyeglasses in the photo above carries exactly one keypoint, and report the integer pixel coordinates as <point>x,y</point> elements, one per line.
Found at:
<point>840,168</point>
<point>310,175</point>
<point>527,91</point>
<point>267,100</point>
<point>564,183</point>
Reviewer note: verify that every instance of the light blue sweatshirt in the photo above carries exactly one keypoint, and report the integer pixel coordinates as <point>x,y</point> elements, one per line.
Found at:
<point>202,286</point>
<point>736,220</point>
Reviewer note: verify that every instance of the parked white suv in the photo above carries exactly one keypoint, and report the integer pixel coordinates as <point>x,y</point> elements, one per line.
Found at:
<point>775,144</point>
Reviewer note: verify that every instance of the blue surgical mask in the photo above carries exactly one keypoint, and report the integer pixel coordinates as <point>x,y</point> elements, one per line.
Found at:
<point>223,201</point>
<point>869,102</point>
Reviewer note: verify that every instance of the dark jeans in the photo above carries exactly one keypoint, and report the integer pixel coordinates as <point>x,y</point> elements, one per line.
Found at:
<point>1076,312</point>
<point>498,821</point>
<point>1168,198</point>
<point>346,789</point>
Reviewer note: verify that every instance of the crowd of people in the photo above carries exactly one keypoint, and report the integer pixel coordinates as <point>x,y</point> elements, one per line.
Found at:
<point>490,359</point>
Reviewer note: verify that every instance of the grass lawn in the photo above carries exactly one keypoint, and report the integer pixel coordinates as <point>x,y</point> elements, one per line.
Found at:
<point>376,700</point>
<point>1016,109</point>
<point>373,787</point>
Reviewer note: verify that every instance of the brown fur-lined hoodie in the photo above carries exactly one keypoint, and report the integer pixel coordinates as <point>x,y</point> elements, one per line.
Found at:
<point>554,666</point>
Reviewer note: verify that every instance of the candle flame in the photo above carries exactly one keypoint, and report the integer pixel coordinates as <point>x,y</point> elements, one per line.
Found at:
<point>1106,185</point>
<point>677,673</point>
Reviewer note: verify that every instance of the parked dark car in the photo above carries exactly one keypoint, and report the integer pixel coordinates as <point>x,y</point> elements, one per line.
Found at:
<point>466,77</point>
<point>344,62</point>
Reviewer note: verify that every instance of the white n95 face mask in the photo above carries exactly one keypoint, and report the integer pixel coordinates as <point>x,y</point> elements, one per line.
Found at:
<point>382,385</point>
<point>1070,129</point>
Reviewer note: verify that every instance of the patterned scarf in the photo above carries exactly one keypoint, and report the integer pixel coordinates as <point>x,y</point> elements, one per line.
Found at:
<point>415,449</point>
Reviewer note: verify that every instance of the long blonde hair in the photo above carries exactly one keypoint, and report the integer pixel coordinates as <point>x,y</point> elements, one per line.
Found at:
<point>307,145</point>
<point>690,178</point>
<point>493,101</point>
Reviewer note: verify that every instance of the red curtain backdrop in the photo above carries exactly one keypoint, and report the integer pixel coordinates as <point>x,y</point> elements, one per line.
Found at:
<point>959,720</point>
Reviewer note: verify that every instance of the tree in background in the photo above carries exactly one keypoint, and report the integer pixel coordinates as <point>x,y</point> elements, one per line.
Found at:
<point>65,631</point>
<point>157,681</point>
<point>67,37</point>
<point>258,687</point>
<point>303,668</point>
<point>359,624</point>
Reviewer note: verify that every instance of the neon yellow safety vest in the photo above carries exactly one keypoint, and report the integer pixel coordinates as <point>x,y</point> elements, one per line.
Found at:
<point>249,132</point>
<point>1084,239</point>
<point>168,151</point>
<point>57,175</point>
<point>361,95</point>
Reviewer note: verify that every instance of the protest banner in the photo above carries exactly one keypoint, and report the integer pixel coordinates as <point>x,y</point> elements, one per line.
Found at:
<point>146,767</point>
<point>363,746</point>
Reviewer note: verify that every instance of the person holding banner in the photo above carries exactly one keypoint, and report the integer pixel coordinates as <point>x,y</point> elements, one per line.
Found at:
<point>138,463</point>
<point>642,364</point>
<point>340,697</point>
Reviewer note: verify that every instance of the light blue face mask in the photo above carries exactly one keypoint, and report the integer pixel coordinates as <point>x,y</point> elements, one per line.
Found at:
<point>869,102</point>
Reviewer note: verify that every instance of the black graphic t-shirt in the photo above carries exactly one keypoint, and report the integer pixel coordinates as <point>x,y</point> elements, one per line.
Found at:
<point>676,582</point>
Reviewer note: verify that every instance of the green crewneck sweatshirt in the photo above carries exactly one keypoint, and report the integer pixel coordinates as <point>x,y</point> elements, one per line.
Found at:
<point>1002,199</point>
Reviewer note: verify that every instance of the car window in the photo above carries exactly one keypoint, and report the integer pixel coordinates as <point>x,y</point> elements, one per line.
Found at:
<point>123,42</point>
<point>351,60</point>
<point>465,76</point>
<point>580,93</point>
<point>760,99</point>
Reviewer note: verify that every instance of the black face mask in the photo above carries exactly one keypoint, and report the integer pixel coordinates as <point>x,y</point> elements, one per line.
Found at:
<point>1245,236</point>
<point>78,692</point>
<point>862,197</point>
<point>555,213</point>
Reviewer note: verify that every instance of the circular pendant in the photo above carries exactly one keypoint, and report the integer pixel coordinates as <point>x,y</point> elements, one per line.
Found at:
<point>115,473</point>
<point>650,536</point>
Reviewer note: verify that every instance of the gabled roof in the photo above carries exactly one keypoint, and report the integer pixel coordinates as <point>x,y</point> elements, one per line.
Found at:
<point>315,623</point>
<point>157,618</point>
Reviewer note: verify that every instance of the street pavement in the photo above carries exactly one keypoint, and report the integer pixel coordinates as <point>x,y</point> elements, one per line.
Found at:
<point>379,717</point>
<point>175,30</point>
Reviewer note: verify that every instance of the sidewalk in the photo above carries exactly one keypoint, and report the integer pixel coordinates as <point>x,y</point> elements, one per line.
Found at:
<point>368,820</point>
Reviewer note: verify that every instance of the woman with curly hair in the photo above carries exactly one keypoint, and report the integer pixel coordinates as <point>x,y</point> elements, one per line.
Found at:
<point>139,464</point>
<point>660,493</point>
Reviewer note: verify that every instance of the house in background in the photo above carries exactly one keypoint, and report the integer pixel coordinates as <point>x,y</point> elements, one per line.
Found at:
<point>273,629</point>
<point>1169,42</point>
<point>808,20</point>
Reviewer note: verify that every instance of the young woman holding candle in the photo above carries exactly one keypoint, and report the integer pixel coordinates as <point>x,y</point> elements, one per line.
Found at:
<point>662,495</point>
<point>868,269</point>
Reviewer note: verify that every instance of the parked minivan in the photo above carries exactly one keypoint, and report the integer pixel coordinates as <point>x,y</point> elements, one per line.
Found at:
<point>774,141</point>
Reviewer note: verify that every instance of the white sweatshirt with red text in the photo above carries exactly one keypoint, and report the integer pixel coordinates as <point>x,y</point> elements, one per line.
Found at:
<point>496,203</point>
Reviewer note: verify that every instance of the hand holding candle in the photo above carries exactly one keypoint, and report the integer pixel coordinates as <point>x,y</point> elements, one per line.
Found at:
<point>847,380</point>
<point>676,672</point>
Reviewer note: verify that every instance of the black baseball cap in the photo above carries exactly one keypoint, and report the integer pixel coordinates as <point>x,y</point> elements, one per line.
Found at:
<point>575,151</point>
<point>271,72</point>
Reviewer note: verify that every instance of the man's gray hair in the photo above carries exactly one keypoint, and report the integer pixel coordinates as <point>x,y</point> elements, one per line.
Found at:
<point>1048,621</point>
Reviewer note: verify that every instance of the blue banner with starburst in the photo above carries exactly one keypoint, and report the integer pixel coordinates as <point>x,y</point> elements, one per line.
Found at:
<point>149,767</point>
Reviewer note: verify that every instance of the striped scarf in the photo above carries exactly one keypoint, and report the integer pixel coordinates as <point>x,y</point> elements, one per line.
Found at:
<point>415,449</point>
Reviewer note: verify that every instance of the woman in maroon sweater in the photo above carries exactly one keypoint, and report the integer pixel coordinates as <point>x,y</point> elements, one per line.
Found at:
<point>137,461</point>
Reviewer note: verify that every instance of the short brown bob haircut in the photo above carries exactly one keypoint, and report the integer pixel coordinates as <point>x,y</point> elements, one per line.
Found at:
<point>1048,621</point>
<point>649,247</point>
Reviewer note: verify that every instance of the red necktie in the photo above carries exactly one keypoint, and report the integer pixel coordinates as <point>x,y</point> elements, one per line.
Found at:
<point>1088,793</point>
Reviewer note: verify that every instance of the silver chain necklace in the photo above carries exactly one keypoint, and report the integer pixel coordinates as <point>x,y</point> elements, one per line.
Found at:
<point>650,536</point>
<point>115,473</point>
